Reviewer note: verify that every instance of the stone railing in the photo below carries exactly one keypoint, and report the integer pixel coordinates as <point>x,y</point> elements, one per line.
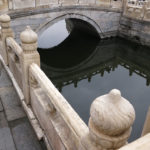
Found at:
<point>137,10</point>
<point>52,117</point>
<point>14,52</point>
<point>3,5</point>
<point>19,4</point>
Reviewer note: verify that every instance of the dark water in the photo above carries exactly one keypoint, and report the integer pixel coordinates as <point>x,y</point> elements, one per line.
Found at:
<point>84,67</point>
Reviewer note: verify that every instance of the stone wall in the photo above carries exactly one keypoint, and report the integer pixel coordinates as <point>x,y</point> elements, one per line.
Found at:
<point>135,30</point>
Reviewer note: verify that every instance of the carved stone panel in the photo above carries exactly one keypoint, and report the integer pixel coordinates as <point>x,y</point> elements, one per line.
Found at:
<point>18,4</point>
<point>45,2</point>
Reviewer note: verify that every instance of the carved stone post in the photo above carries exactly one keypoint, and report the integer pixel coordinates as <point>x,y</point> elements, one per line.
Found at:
<point>110,123</point>
<point>144,10</point>
<point>29,56</point>
<point>124,6</point>
<point>6,31</point>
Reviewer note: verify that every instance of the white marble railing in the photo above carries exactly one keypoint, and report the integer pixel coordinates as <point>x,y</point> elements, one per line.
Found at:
<point>14,52</point>
<point>55,111</point>
<point>137,10</point>
<point>19,4</point>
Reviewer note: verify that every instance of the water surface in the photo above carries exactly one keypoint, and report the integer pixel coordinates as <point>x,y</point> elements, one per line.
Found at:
<point>84,67</point>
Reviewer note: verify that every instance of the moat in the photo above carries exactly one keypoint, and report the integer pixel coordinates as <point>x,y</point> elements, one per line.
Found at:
<point>84,67</point>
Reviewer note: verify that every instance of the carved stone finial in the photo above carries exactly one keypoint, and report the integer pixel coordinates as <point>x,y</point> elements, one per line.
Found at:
<point>29,39</point>
<point>6,31</point>
<point>5,21</point>
<point>28,36</point>
<point>111,119</point>
<point>4,18</point>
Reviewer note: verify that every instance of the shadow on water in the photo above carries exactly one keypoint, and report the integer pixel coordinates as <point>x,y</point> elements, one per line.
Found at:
<point>83,68</point>
<point>73,50</point>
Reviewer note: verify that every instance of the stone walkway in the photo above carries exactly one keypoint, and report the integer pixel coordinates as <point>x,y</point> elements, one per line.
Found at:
<point>16,133</point>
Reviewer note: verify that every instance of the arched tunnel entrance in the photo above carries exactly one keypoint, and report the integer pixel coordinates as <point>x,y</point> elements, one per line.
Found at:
<point>67,43</point>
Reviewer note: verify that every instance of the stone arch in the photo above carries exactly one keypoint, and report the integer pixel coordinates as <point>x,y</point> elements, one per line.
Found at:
<point>52,21</point>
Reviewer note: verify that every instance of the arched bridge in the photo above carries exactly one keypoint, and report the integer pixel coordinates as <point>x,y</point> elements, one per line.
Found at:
<point>108,17</point>
<point>103,15</point>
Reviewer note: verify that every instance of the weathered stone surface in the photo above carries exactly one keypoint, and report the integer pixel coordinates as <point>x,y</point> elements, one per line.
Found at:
<point>4,79</point>
<point>6,140</point>
<point>5,32</point>
<point>3,5</point>
<point>135,30</point>
<point>142,143</point>
<point>17,4</point>
<point>107,130</point>
<point>1,107</point>
<point>29,56</point>
<point>24,137</point>
<point>12,105</point>
<point>87,2</point>
<point>45,2</point>
<point>69,2</point>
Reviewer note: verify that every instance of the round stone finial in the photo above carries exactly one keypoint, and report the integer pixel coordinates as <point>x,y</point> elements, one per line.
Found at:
<point>4,18</point>
<point>115,95</point>
<point>111,114</point>
<point>28,36</point>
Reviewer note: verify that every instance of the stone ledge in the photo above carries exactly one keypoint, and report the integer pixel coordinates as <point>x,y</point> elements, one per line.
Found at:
<point>33,11</point>
<point>6,139</point>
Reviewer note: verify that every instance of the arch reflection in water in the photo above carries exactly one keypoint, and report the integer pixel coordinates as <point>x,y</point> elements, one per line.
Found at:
<point>109,64</point>
<point>77,47</point>
<point>54,35</point>
<point>115,64</point>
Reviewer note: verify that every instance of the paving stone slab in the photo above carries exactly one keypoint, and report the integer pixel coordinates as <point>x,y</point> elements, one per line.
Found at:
<point>4,79</point>
<point>6,140</point>
<point>24,136</point>
<point>1,107</point>
<point>12,105</point>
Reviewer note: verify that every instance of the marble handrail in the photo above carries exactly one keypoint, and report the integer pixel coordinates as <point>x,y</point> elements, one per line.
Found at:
<point>14,46</point>
<point>142,143</point>
<point>59,102</point>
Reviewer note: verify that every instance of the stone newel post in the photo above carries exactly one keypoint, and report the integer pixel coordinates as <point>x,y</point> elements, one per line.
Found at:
<point>144,9</point>
<point>6,31</point>
<point>29,56</point>
<point>110,123</point>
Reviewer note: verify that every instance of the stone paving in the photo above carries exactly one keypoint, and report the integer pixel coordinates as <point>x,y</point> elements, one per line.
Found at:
<point>16,133</point>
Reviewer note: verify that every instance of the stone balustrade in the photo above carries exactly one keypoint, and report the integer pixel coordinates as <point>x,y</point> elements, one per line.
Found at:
<point>3,5</point>
<point>19,4</point>
<point>111,115</point>
<point>138,10</point>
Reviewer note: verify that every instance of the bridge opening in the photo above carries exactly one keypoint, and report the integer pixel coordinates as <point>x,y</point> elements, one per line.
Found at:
<point>71,40</point>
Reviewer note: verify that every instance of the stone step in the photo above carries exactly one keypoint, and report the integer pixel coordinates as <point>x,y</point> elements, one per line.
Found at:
<point>24,136</point>
<point>16,133</point>
<point>1,107</point>
<point>4,79</point>
<point>12,105</point>
<point>6,140</point>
